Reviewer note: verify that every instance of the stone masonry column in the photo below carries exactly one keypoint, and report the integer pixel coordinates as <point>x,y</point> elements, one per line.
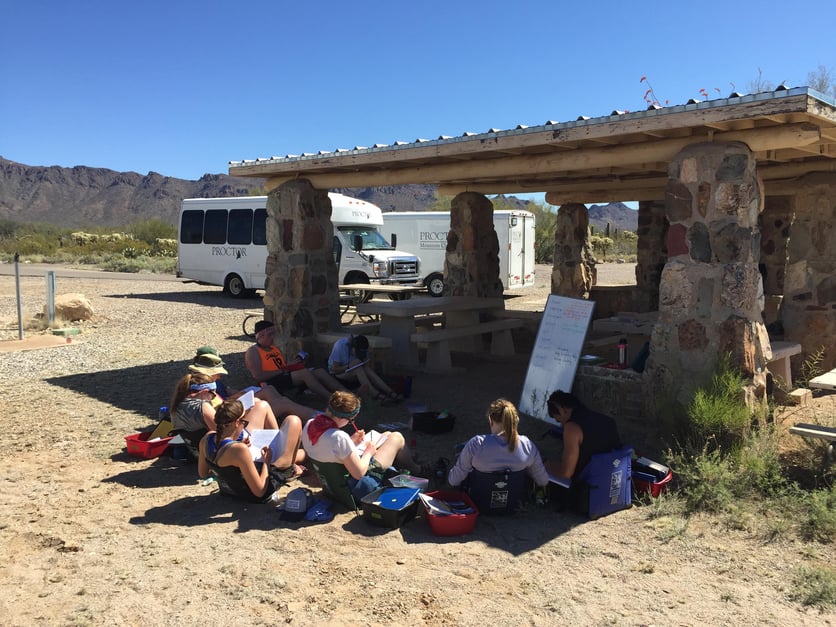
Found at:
<point>651,255</point>
<point>300,295</point>
<point>573,270</point>
<point>471,266</point>
<point>775,223</point>
<point>808,309</point>
<point>710,297</point>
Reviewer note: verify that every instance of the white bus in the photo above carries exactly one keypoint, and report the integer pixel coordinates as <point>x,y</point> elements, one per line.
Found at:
<point>223,241</point>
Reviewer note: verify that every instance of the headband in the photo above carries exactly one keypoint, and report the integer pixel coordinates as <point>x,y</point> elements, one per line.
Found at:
<point>196,387</point>
<point>261,333</point>
<point>346,415</point>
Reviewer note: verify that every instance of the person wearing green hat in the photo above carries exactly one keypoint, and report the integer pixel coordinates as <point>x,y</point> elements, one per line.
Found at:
<point>208,361</point>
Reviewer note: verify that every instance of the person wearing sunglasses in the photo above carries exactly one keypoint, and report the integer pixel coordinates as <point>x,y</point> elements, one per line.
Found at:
<point>223,453</point>
<point>193,410</point>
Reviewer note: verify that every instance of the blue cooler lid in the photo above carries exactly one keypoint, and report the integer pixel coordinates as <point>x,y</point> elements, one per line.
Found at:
<point>397,498</point>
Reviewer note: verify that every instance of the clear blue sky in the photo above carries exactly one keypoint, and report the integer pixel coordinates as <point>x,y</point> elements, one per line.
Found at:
<point>182,87</point>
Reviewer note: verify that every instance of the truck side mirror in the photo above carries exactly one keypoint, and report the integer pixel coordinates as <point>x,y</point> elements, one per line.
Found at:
<point>394,240</point>
<point>358,243</point>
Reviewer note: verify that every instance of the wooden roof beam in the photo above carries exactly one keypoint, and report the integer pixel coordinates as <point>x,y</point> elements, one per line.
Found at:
<point>758,140</point>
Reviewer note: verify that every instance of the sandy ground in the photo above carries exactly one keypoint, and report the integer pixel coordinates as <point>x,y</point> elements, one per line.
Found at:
<point>91,536</point>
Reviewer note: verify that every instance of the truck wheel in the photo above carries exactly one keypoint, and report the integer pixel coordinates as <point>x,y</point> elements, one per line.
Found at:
<point>234,286</point>
<point>435,284</point>
<point>361,296</point>
<point>404,296</point>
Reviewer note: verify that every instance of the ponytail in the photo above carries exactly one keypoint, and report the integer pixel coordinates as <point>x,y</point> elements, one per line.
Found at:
<point>503,412</point>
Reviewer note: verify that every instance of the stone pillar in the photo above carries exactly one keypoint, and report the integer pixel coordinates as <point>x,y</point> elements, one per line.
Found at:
<point>651,255</point>
<point>808,309</point>
<point>471,266</point>
<point>573,270</point>
<point>710,296</point>
<point>300,295</point>
<point>775,222</point>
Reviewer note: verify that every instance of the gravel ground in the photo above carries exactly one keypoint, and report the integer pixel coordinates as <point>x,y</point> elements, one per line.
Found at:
<point>91,536</point>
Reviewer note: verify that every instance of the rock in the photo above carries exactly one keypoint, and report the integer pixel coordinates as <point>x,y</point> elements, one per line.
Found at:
<point>72,307</point>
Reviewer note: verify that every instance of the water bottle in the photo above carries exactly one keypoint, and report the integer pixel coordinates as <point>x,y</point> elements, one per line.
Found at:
<point>163,413</point>
<point>622,352</point>
<point>443,415</point>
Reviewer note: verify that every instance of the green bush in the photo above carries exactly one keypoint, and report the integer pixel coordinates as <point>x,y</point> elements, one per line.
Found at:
<point>717,413</point>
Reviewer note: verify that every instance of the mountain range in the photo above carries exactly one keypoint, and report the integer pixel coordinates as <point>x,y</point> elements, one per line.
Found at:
<point>81,196</point>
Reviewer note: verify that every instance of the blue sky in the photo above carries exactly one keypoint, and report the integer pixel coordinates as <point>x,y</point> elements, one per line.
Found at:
<point>183,87</point>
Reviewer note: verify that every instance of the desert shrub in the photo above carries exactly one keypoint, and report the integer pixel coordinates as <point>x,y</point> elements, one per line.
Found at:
<point>815,586</point>
<point>820,516</point>
<point>718,413</point>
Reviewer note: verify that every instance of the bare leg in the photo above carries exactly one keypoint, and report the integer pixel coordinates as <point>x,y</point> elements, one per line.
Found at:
<point>308,378</point>
<point>328,381</point>
<point>261,416</point>
<point>282,405</point>
<point>292,428</point>
<point>376,382</point>
<point>394,449</point>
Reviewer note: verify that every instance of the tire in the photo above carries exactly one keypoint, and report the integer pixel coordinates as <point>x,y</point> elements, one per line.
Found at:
<point>234,286</point>
<point>362,296</point>
<point>404,296</point>
<point>435,285</point>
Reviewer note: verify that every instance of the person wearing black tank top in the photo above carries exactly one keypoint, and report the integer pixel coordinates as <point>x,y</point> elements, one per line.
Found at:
<point>585,432</point>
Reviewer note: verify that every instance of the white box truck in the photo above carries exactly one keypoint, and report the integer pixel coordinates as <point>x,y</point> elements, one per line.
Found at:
<point>425,234</point>
<point>223,241</point>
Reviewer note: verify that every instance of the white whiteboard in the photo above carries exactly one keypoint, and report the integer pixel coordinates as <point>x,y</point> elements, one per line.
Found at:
<point>554,359</point>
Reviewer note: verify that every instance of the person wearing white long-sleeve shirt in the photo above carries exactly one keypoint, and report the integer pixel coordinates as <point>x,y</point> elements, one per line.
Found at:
<point>503,448</point>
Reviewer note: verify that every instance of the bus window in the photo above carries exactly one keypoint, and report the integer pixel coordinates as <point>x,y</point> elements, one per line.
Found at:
<point>260,227</point>
<point>240,227</point>
<point>214,229</point>
<point>191,227</point>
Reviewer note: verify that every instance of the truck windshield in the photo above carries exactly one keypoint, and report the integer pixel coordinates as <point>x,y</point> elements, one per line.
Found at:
<point>372,239</point>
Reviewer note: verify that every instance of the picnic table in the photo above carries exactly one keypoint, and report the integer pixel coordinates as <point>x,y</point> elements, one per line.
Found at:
<point>398,319</point>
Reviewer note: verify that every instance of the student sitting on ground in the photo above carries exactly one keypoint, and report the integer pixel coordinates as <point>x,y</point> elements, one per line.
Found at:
<point>324,440</point>
<point>503,448</point>
<point>267,364</point>
<point>226,454</point>
<point>208,361</point>
<point>349,363</point>
<point>193,414</point>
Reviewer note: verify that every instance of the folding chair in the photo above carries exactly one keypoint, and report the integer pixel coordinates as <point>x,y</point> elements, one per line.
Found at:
<point>605,484</point>
<point>333,477</point>
<point>498,492</point>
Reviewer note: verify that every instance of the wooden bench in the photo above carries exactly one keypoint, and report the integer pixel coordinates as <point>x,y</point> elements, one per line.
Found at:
<point>818,432</point>
<point>779,366</point>
<point>438,340</point>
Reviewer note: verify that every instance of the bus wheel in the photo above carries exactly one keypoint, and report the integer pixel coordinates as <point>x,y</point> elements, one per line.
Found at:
<point>234,286</point>
<point>435,284</point>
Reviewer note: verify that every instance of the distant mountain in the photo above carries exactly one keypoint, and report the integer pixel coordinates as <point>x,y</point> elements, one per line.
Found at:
<point>616,214</point>
<point>82,196</point>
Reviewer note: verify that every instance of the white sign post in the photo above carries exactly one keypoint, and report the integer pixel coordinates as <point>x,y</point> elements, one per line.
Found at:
<point>554,359</point>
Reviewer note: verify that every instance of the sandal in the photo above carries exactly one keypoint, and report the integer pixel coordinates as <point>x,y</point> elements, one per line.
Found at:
<point>293,472</point>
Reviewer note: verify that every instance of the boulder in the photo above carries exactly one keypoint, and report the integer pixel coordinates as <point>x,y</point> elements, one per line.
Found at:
<point>72,307</point>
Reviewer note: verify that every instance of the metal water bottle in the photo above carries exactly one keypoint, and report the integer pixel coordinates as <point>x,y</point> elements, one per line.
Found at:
<point>163,413</point>
<point>622,352</point>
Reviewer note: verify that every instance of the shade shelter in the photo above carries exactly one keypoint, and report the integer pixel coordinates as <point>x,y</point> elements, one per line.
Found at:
<point>730,191</point>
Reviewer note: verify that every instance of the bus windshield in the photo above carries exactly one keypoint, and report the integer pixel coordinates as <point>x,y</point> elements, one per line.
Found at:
<point>372,239</point>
